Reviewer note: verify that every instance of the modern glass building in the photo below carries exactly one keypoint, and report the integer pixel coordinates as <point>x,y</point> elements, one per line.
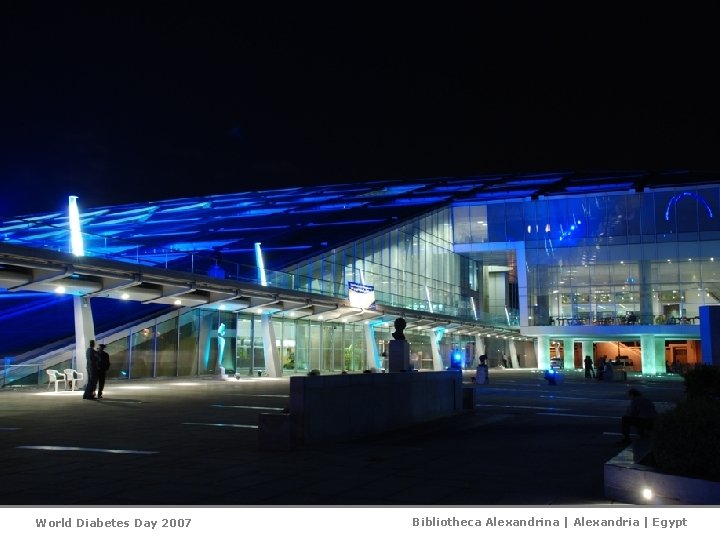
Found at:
<point>523,268</point>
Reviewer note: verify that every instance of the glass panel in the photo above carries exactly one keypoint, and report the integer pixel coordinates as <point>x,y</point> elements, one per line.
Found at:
<point>188,344</point>
<point>143,351</point>
<point>119,359</point>
<point>208,342</point>
<point>315,350</point>
<point>287,344</point>
<point>244,344</point>
<point>258,350</point>
<point>302,343</point>
<point>167,347</point>
<point>353,348</point>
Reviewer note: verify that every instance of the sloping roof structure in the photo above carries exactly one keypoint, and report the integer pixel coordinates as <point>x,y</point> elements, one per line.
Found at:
<point>294,224</point>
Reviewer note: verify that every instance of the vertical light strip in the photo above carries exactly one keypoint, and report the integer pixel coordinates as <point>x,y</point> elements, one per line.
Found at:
<point>427,295</point>
<point>76,240</point>
<point>260,265</point>
<point>472,301</point>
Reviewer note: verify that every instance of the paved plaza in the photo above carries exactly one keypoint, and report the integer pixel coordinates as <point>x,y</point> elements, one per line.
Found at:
<point>195,442</point>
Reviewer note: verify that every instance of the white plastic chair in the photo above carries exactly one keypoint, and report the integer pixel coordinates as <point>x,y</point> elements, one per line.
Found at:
<point>54,376</point>
<point>73,376</point>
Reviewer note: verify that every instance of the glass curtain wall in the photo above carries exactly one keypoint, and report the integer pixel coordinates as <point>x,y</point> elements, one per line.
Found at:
<point>624,258</point>
<point>411,266</point>
<point>190,344</point>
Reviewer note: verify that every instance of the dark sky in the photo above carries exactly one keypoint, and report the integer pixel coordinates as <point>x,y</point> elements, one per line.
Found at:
<point>139,104</point>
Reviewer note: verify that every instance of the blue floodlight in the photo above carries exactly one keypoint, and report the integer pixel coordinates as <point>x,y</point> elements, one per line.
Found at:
<point>260,265</point>
<point>76,240</point>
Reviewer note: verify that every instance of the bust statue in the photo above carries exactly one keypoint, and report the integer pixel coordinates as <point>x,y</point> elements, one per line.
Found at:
<point>400,325</point>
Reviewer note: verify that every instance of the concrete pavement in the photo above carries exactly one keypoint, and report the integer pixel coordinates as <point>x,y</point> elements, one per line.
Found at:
<point>195,442</point>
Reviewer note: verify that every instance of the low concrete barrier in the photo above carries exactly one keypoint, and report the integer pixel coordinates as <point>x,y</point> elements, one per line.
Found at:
<point>342,407</point>
<point>627,482</point>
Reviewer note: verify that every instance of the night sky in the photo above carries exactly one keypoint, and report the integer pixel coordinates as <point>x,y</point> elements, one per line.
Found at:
<point>138,104</point>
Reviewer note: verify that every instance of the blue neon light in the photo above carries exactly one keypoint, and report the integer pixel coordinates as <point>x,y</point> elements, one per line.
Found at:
<point>698,198</point>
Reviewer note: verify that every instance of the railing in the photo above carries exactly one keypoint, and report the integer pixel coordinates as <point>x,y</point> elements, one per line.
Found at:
<point>26,374</point>
<point>653,320</point>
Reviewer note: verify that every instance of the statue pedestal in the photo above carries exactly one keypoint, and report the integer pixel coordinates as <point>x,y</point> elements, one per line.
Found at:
<point>398,356</point>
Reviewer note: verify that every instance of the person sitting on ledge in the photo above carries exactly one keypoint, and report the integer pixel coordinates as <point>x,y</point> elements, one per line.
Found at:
<point>641,414</point>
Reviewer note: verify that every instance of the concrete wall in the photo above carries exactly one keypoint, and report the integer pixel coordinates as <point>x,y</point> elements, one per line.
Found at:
<point>341,407</point>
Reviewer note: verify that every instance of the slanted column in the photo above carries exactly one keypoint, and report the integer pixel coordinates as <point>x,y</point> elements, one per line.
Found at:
<point>435,348</point>
<point>652,354</point>
<point>372,355</point>
<point>543,352</point>
<point>84,332</point>
<point>273,367</point>
<point>513,354</point>
<point>568,353</point>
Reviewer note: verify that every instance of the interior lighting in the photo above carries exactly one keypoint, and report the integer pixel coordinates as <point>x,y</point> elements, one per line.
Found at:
<point>177,302</point>
<point>223,306</point>
<point>125,296</point>
<point>60,289</point>
<point>647,494</point>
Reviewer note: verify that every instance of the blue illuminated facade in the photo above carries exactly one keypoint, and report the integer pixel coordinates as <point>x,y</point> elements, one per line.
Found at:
<point>528,266</point>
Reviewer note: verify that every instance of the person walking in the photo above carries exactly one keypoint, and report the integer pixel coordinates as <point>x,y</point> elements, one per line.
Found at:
<point>641,414</point>
<point>481,373</point>
<point>103,366</point>
<point>93,364</point>
<point>589,369</point>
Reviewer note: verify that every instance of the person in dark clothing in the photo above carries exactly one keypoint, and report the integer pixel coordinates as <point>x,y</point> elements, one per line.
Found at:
<point>93,365</point>
<point>103,366</point>
<point>589,369</point>
<point>641,414</point>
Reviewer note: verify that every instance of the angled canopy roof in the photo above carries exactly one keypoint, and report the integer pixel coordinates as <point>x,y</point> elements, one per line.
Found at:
<point>296,223</point>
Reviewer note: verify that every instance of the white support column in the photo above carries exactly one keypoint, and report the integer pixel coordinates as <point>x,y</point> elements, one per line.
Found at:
<point>372,355</point>
<point>587,349</point>
<point>652,354</point>
<point>513,354</point>
<point>568,353</point>
<point>84,331</point>
<point>273,367</point>
<point>543,352</point>
<point>479,347</point>
<point>435,348</point>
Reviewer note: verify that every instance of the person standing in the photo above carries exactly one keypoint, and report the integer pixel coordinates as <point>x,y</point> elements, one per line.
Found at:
<point>103,366</point>
<point>93,364</point>
<point>589,370</point>
<point>481,373</point>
